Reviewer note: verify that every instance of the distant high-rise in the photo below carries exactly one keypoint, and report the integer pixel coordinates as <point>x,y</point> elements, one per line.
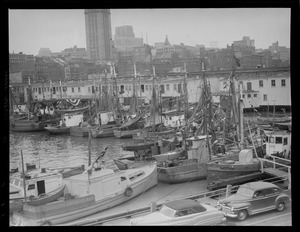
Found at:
<point>125,40</point>
<point>98,34</point>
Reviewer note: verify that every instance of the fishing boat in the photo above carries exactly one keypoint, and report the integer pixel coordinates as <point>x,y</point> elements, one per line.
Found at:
<point>125,163</point>
<point>103,132</point>
<point>42,186</point>
<point>82,130</point>
<point>89,193</point>
<point>27,125</point>
<point>224,171</point>
<point>129,128</point>
<point>57,130</point>
<point>138,146</point>
<point>171,155</point>
<point>67,121</point>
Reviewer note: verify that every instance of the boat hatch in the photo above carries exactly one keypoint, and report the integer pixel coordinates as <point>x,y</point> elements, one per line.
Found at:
<point>136,174</point>
<point>123,178</point>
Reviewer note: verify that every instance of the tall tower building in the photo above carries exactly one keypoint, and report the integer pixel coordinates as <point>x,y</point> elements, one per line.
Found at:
<point>98,34</point>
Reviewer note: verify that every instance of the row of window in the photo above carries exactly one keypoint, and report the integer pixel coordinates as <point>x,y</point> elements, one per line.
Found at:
<point>273,83</point>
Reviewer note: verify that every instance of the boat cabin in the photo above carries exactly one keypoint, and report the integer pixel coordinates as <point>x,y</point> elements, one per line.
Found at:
<point>278,143</point>
<point>72,119</point>
<point>197,147</point>
<point>38,182</point>
<point>173,118</point>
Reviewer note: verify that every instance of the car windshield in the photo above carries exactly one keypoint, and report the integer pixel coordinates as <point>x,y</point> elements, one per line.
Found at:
<point>166,211</point>
<point>245,191</point>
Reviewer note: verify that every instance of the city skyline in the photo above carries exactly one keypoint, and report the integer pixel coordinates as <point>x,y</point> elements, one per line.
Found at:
<point>30,30</point>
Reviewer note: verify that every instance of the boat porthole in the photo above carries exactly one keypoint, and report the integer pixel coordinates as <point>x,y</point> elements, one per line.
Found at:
<point>128,192</point>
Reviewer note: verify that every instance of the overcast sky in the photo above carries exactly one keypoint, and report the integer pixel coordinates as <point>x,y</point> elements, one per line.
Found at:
<point>30,30</point>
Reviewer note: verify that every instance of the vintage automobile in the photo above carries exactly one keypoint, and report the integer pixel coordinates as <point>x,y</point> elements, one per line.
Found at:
<point>182,212</point>
<point>253,198</point>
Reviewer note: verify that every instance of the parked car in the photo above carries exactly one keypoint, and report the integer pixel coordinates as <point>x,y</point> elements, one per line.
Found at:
<point>182,212</point>
<point>253,198</point>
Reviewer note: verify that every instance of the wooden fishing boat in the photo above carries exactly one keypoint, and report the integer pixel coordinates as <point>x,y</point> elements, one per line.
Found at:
<point>190,168</point>
<point>27,125</point>
<point>39,183</point>
<point>57,130</point>
<point>104,131</point>
<point>88,194</point>
<point>168,156</point>
<point>129,128</point>
<point>138,146</point>
<point>224,169</point>
<point>124,164</point>
<point>81,131</point>
<point>122,134</point>
<point>17,204</point>
<point>68,111</point>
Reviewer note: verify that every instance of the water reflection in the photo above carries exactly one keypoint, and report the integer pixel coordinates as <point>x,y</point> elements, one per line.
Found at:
<point>60,150</point>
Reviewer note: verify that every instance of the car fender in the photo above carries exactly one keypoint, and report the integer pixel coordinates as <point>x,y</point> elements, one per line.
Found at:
<point>241,205</point>
<point>281,198</point>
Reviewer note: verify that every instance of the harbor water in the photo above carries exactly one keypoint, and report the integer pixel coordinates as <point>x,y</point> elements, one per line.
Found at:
<point>55,151</point>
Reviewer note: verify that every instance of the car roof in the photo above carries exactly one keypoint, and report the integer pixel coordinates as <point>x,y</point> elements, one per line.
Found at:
<point>184,204</point>
<point>259,185</point>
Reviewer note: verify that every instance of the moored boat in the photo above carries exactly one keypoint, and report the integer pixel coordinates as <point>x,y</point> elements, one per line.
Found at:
<point>58,129</point>
<point>42,186</point>
<point>223,170</point>
<point>104,131</point>
<point>95,192</point>
<point>25,125</point>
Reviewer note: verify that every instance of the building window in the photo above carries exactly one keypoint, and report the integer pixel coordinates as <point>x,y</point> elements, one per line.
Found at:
<point>283,82</point>
<point>255,95</point>
<point>243,96</point>
<point>129,87</point>
<point>265,97</point>
<point>261,83</point>
<point>273,83</point>
<point>249,86</point>
<point>40,91</point>
<point>96,88</point>
<point>167,87</point>
<point>89,89</point>
<point>249,95</point>
<point>126,87</point>
<point>78,89</point>
<point>47,89</point>
<point>146,87</point>
<point>175,87</point>
<point>285,141</point>
<point>72,89</point>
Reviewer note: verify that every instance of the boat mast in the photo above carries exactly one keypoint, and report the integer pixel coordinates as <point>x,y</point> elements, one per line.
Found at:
<point>232,88</point>
<point>23,174</point>
<point>153,103</point>
<point>117,94</point>
<point>186,103</point>
<point>29,95</point>
<point>134,91</point>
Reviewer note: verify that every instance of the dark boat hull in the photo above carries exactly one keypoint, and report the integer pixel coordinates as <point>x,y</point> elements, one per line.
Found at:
<point>58,130</point>
<point>217,171</point>
<point>27,126</point>
<point>138,146</point>
<point>190,171</point>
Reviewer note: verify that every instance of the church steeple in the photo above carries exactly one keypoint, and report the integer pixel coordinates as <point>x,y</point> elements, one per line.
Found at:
<point>167,41</point>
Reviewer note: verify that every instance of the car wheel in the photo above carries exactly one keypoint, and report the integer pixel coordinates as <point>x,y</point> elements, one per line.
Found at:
<point>242,215</point>
<point>280,206</point>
